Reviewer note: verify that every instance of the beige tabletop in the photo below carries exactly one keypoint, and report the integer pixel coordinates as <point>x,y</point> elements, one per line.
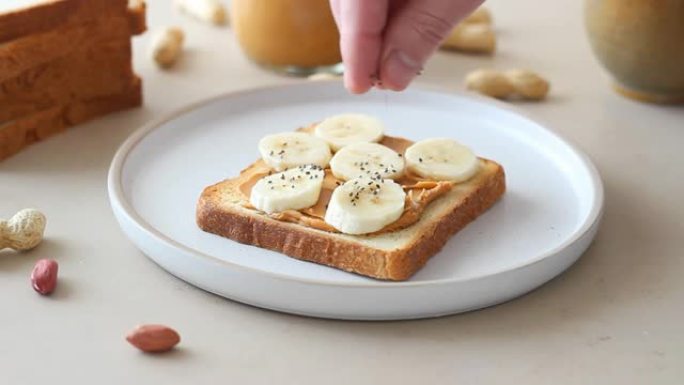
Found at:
<point>614,317</point>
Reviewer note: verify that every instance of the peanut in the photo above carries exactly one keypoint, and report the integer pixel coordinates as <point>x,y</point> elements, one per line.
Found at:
<point>471,37</point>
<point>153,338</point>
<point>209,11</point>
<point>480,15</point>
<point>44,276</point>
<point>166,46</point>
<point>23,231</point>
<point>523,84</point>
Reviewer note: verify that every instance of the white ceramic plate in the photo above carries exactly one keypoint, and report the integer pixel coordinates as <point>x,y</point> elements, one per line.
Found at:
<point>546,220</point>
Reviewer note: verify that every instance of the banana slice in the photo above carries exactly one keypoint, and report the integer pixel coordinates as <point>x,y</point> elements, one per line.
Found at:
<point>292,149</point>
<point>342,130</point>
<point>442,159</point>
<point>365,205</point>
<point>367,159</point>
<point>294,189</point>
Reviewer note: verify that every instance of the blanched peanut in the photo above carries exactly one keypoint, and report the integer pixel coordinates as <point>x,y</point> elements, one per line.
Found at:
<point>166,46</point>
<point>480,15</point>
<point>209,11</point>
<point>471,37</point>
<point>503,85</point>
<point>23,231</point>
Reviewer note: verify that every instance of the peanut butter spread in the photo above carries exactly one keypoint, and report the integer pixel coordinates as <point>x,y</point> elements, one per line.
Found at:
<point>419,194</point>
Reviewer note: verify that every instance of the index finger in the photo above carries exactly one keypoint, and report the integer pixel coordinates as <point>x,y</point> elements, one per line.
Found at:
<point>361,24</point>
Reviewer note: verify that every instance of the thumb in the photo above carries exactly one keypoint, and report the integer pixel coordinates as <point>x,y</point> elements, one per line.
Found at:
<point>412,35</point>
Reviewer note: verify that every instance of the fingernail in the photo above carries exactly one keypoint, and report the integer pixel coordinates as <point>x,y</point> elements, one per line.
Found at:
<point>399,69</point>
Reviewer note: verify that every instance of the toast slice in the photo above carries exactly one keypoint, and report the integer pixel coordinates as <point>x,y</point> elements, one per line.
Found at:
<point>96,71</point>
<point>22,54</point>
<point>53,14</point>
<point>19,133</point>
<point>389,256</point>
<point>86,74</point>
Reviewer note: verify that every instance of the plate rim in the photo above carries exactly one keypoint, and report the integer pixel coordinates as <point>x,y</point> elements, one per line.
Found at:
<point>118,201</point>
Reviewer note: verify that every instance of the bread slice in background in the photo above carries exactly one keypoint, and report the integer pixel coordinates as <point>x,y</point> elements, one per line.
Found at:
<point>63,62</point>
<point>54,14</point>
<point>93,72</point>
<point>18,133</point>
<point>22,54</point>
<point>389,256</point>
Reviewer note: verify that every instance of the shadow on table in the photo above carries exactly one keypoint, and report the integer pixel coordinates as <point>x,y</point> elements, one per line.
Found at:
<point>613,273</point>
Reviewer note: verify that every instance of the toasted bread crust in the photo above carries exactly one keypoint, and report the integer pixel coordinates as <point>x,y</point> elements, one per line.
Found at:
<point>333,250</point>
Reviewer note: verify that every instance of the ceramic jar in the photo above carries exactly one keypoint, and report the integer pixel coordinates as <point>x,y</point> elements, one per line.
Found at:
<point>641,43</point>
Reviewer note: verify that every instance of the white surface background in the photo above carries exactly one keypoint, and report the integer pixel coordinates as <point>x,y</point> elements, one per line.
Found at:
<point>615,317</point>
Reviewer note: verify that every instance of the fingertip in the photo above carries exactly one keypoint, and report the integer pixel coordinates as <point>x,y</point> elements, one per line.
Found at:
<point>355,87</point>
<point>398,70</point>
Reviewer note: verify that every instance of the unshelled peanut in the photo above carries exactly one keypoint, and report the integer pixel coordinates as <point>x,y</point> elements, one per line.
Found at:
<point>23,231</point>
<point>166,46</point>
<point>471,37</point>
<point>523,84</point>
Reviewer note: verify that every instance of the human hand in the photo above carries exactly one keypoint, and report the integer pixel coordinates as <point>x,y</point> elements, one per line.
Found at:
<point>385,43</point>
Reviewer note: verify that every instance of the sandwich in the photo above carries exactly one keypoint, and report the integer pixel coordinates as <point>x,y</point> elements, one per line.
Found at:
<point>344,194</point>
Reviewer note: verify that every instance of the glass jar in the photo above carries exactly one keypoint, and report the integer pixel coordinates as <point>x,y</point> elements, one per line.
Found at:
<point>297,37</point>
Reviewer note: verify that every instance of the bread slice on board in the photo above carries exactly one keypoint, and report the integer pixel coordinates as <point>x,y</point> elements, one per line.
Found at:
<point>389,256</point>
<point>19,133</point>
